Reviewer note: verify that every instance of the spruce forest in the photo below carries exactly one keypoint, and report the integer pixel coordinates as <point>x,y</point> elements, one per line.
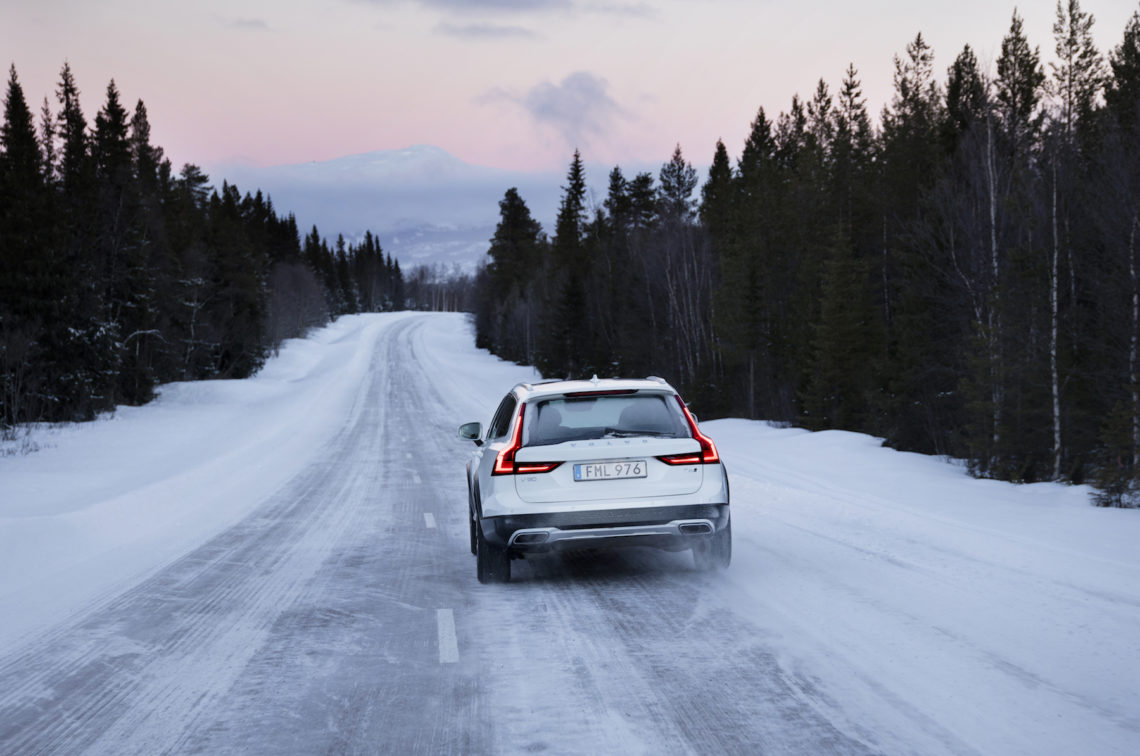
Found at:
<point>117,275</point>
<point>958,278</point>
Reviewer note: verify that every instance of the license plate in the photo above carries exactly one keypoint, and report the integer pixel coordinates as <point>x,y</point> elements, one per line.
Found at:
<point>630,468</point>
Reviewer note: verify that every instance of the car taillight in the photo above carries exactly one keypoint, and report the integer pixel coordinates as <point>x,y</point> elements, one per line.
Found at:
<point>505,461</point>
<point>708,454</point>
<point>523,468</point>
<point>682,459</point>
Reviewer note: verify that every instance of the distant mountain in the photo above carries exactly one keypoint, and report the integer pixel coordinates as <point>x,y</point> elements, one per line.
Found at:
<point>426,205</point>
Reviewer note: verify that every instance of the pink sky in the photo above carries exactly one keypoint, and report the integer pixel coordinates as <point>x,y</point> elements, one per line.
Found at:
<point>507,83</point>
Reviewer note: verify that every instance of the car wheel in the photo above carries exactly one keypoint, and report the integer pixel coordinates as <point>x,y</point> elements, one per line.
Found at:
<point>492,564</point>
<point>471,522</point>
<point>714,552</point>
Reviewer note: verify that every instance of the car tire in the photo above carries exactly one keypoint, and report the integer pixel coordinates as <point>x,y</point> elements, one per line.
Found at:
<point>471,510</point>
<point>715,551</point>
<point>492,564</point>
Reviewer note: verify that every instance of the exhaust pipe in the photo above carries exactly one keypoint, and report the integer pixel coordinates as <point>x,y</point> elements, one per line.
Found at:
<point>530,538</point>
<point>541,536</point>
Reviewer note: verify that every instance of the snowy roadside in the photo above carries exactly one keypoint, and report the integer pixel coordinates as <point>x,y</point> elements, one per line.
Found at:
<point>940,613</point>
<point>103,504</point>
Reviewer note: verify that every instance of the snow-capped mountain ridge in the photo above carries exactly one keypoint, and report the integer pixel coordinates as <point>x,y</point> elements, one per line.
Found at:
<point>425,205</point>
<point>419,164</point>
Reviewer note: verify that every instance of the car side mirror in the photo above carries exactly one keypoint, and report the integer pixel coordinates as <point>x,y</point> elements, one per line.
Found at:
<point>472,432</point>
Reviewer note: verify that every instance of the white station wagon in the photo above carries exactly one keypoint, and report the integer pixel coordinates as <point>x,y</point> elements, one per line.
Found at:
<point>598,463</point>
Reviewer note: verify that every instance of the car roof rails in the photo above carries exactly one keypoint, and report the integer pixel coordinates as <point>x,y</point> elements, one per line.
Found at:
<point>528,385</point>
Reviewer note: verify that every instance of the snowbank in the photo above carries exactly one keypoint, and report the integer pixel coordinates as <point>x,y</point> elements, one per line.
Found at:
<point>946,613</point>
<point>105,503</point>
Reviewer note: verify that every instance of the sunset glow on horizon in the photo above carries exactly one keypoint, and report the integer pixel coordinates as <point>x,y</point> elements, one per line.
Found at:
<point>504,83</point>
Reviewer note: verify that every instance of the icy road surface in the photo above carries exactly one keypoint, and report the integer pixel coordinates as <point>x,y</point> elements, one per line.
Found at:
<point>281,565</point>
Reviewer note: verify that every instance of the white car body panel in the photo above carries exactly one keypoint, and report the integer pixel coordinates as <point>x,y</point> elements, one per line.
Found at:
<point>674,505</point>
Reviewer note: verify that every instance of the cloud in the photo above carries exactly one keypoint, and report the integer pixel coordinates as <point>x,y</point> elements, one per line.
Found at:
<point>503,5</point>
<point>478,6</point>
<point>246,24</point>
<point>633,10</point>
<point>579,108</point>
<point>494,19</point>
<point>485,31</point>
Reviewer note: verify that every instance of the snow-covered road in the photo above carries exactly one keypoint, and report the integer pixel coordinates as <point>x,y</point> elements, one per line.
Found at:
<point>281,566</point>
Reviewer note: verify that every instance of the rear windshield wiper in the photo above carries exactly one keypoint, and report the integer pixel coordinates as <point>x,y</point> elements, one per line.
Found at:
<point>625,433</point>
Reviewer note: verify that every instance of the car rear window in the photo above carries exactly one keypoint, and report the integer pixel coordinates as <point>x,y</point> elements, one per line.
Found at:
<point>579,418</point>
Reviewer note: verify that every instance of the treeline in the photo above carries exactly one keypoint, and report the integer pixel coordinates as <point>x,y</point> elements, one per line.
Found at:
<point>960,279</point>
<point>117,275</point>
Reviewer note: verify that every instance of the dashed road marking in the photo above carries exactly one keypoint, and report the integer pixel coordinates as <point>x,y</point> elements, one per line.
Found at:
<point>448,646</point>
<point>429,518</point>
<point>416,478</point>
<point>408,455</point>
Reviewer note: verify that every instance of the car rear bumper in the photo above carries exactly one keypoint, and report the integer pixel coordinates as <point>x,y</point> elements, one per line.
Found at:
<point>670,527</point>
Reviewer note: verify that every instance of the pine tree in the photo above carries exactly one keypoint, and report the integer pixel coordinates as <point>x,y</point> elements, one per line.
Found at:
<point>1013,365</point>
<point>517,251</point>
<point>571,220</point>
<point>118,255</point>
<point>614,274</point>
<point>642,201</point>
<point>72,130</point>
<point>344,277</point>
<point>145,157</point>
<point>910,125</point>
<point>1122,88</point>
<point>1078,75</point>
<point>618,203</point>
<point>678,178</point>
<point>1077,81</point>
<point>965,98</point>
<point>748,297</point>
<point>85,345</point>
<point>791,134</point>
<point>515,254</point>
<point>1118,199</point>
<point>1114,200</point>
<point>26,264</point>
<point>47,142</point>
<point>718,198</point>
<point>841,365</point>
<point>567,338</point>
<point>681,260</point>
<point>854,179</point>
<point>1019,85</point>
<point>821,121</point>
<point>150,271</point>
<point>23,187</point>
<point>912,159</point>
<point>21,158</point>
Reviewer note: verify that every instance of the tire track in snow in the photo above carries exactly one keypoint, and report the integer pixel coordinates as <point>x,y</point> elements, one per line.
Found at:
<point>158,668</point>
<point>190,629</point>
